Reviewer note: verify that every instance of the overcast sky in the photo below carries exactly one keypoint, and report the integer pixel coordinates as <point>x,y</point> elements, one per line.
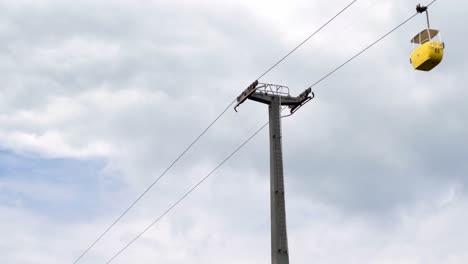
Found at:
<point>97,98</point>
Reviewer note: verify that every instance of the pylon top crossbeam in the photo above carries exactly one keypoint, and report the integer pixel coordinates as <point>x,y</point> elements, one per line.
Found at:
<point>265,92</point>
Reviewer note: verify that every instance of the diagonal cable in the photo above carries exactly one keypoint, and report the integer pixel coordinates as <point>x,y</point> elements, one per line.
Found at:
<point>366,48</point>
<point>307,39</point>
<point>197,138</point>
<point>152,184</point>
<point>186,194</point>
<point>245,142</point>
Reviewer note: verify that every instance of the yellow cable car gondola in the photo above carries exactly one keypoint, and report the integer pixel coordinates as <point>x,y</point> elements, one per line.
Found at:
<point>430,48</point>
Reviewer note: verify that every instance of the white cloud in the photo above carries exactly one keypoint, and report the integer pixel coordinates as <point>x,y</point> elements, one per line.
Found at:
<point>52,144</point>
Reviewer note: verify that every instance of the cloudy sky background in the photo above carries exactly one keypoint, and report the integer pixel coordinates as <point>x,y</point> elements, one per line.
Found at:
<point>98,98</point>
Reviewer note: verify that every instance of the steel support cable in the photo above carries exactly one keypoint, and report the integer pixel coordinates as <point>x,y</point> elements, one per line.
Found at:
<point>431,3</point>
<point>190,191</point>
<point>367,48</point>
<point>253,135</point>
<point>203,133</point>
<point>153,183</point>
<point>307,39</point>
<point>186,194</point>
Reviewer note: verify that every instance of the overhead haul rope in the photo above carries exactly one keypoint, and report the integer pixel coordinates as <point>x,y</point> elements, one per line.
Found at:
<point>238,148</point>
<point>190,191</point>
<point>186,194</point>
<point>368,47</point>
<point>307,39</point>
<point>198,138</point>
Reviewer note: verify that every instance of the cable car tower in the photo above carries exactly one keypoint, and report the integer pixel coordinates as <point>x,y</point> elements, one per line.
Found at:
<point>276,96</point>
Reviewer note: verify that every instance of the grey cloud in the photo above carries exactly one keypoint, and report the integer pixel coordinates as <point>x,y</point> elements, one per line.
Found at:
<point>378,137</point>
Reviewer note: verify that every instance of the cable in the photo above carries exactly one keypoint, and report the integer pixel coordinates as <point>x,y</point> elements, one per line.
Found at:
<point>307,39</point>
<point>199,136</point>
<point>431,3</point>
<point>153,183</point>
<point>261,128</point>
<point>365,49</point>
<point>186,194</point>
